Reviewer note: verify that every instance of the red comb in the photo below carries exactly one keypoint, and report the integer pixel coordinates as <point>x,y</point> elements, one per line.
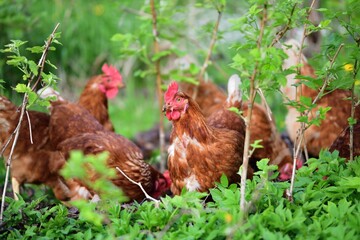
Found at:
<point>111,72</point>
<point>171,91</point>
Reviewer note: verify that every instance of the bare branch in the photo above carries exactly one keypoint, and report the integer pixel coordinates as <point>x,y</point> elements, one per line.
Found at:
<point>208,56</point>
<point>267,107</point>
<point>212,45</point>
<point>351,127</point>
<point>30,130</point>
<point>16,132</point>
<point>303,127</point>
<point>297,149</point>
<point>158,87</point>
<point>286,28</point>
<point>141,187</point>
<point>248,116</point>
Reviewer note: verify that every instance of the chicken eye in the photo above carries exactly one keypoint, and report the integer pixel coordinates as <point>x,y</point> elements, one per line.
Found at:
<point>178,99</point>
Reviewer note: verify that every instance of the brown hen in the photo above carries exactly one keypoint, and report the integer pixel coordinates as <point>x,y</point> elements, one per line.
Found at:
<point>200,152</point>
<point>73,127</point>
<point>32,162</point>
<point>342,142</point>
<point>98,90</point>
<point>316,137</point>
<point>261,128</point>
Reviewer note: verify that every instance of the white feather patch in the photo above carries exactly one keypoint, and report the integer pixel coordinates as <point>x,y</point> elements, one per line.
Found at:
<point>191,183</point>
<point>234,92</point>
<point>292,60</point>
<point>49,92</point>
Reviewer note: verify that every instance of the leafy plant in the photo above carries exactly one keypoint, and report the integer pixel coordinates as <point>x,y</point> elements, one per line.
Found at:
<point>326,190</point>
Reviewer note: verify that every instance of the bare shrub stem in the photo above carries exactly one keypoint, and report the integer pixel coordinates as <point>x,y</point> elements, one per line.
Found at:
<point>303,127</point>
<point>140,186</point>
<point>248,117</point>
<point>158,87</point>
<point>16,132</point>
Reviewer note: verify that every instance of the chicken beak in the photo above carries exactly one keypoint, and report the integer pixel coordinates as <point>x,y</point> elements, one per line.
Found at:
<point>121,85</point>
<point>164,108</point>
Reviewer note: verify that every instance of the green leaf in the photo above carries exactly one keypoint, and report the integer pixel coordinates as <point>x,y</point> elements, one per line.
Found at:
<point>352,121</point>
<point>50,64</point>
<point>256,144</point>
<point>224,180</point>
<point>307,101</point>
<point>332,209</point>
<point>32,98</point>
<point>16,60</point>
<point>161,54</point>
<point>1,82</point>
<point>36,49</point>
<point>263,164</point>
<point>22,88</point>
<point>235,110</point>
<point>33,67</point>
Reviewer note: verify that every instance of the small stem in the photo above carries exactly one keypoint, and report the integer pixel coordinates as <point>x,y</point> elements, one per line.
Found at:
<point>22,112</point>
<point>282,32</point>
<point>248,117</point>
<point>138,184</point>
<point>158,87</point>
<point>302,124</point>
<point>303,127</point>
<point>208,56</point>
<point>212,45</point>
<point>30,130</point>
<point>351,127</point>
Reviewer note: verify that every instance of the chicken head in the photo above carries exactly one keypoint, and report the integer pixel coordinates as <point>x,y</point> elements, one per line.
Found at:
<point>175,102</point>
<point>111,81</point>
<point>162,184</point>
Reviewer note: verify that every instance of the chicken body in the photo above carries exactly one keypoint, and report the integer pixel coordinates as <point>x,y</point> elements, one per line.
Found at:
<point>95,96</point>
<point>96,102</point>
<point>74,128</point>
<point>342,142</point>
<point>199,152</point>
<point>209,96</point>
<point>36,162</point>
<point>316,137</point>
<point>261,128</point>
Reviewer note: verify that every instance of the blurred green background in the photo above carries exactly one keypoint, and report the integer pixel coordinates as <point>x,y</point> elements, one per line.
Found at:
<point>120,33</point>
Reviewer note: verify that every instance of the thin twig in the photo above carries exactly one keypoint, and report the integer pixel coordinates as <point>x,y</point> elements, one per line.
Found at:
<point>22,112</point>
<point>158,87</point>
<point>212,45</point>
<point>249,114</point>
<point>141,187</point>
<point>282,32</point>
<point>300,135</point>
<point>267,107</point>
<point>208,56</point>
<point>30,130</point>
<point>303,127</point>
<point>351,127</point>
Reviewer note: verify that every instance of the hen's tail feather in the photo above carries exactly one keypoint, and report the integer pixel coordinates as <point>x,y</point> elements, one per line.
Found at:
<point>49,92</point>
<point>292,49</point>
<point>234,92</point>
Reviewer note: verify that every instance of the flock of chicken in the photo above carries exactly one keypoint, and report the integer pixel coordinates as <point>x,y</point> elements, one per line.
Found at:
<point>207,140</point>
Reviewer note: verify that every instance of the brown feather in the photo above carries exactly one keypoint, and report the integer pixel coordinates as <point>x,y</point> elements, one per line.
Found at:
<point>36,162</point>
<point>342,142</point>
<point>73,127</point>
<point>96,102</point>
<point>201,153</point>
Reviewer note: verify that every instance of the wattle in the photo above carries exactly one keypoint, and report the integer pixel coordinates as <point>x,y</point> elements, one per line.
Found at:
<point>111,93</point>
<point>173,115</point>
